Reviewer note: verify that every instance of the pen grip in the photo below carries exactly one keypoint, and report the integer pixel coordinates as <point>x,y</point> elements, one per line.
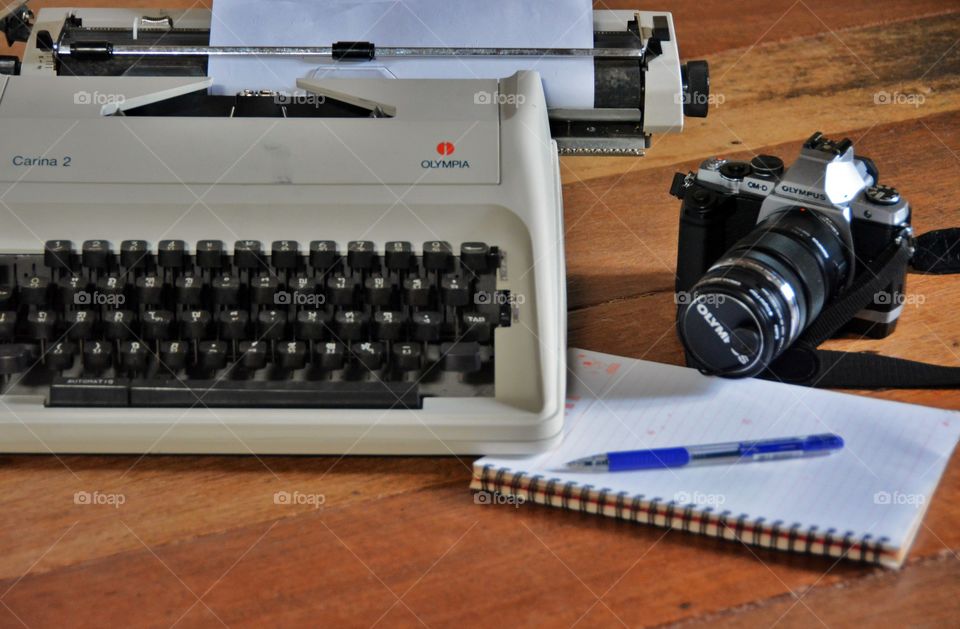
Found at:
<point>647,459</point>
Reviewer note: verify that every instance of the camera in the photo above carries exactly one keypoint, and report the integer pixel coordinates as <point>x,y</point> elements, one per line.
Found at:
<point>763,248</point>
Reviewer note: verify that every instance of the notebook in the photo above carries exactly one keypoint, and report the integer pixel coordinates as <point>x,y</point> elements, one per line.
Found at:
<point>865,502</point>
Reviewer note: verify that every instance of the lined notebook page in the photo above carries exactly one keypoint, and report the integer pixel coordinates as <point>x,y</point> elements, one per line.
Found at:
<point>879,485</point>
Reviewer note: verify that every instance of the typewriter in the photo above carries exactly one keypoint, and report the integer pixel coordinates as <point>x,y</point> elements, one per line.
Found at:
<point>366,266</point>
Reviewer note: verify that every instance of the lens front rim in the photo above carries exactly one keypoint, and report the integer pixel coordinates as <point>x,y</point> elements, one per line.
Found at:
<point>704,364</point>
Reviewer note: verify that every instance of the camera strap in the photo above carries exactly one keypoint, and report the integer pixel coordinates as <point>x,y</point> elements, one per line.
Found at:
<point>804,364</point>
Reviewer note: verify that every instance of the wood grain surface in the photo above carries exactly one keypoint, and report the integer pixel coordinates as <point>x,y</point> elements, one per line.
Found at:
<point>199,541</point>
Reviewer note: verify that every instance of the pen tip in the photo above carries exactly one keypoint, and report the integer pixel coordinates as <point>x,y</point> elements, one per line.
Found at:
<point>586,463</point>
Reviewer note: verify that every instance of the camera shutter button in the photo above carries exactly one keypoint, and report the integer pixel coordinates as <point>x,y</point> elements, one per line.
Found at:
<point>882,195</point>
<point>735,170</point>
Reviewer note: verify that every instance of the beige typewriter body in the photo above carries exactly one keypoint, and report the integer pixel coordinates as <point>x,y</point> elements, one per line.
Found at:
<point>108,155</point>
<point>69,169</point>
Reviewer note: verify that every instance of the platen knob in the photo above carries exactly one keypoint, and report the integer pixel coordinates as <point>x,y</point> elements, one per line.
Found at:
<point>696,88</point>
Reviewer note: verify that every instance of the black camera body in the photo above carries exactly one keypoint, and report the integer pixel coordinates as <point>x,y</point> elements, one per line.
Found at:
<point>763,248</point>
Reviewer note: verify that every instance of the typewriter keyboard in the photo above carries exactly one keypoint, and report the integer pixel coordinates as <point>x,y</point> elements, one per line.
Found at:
<point>282,324</point>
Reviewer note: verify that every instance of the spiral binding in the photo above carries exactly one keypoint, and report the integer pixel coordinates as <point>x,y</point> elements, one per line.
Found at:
<point>866,549</point>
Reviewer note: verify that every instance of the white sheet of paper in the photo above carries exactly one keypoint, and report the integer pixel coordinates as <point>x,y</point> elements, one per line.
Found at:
<point>491,23</point>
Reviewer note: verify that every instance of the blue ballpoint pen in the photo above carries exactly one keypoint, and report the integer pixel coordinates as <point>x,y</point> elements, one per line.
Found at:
<point>715,453</point>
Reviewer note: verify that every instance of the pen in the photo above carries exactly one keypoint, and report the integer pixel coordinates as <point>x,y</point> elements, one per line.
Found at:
<point>715,453</point>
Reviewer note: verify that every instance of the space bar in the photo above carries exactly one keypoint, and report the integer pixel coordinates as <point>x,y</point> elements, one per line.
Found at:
<point>238,394</point>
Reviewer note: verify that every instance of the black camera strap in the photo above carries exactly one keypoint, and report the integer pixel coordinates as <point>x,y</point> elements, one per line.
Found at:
<point>804,364</point>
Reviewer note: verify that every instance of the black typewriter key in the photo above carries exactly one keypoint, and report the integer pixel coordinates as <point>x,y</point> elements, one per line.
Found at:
<point>212,355</point>
<point>57,254</point>
<point>60,356</point>
<point>35,290</point>
<point>109,291</point>
<point>437,255</point>
<point>292,355</point>
<point>311,324</point>
<point>195,324</point>
<point>272,324</point>
<point>97,356</point>
<point>361,255</point>
<point>388,324</point>
<point>285,254</point>
<point>80,324</point>
<point>473,255</point>
<point>118,324</point>
<point>426,325</point>
<point>328,356</point>
<point>17,357</point>
<point>233,324</point>
<point>305,286</point>
<point>254,354</point>
<point>323,254</point>
<point>95,254</point>
<point>173,355</point>
<point>226,289</point>
<point>341,290</point>
<point>8,324</point>
<point>75,291</point>
<point>210,254</point>
<point>265,290</point>
<point>416,292</point>
<point>134,254</point>
<point>156,324</point>
<point>399,256</point>
<point>172,254</point>
<point>455,291</point>
<point>305,292</point>
<point>189,290</point>
<point>6,296</point>
<point>368,355</point>
<point>349,325</point>
<point>132,356</point>
<point>378,291</point>
<point>149,290</point>
<point>42,324</point>
<point>406,356</point>
<point>463,357</point>
<point>247,254</point>
<point>476,327</point>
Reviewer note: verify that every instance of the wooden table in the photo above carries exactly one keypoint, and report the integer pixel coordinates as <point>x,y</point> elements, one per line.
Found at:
<point>399,541</point>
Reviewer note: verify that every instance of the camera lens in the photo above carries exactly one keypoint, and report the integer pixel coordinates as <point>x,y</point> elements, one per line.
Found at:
<point>760,296</point>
